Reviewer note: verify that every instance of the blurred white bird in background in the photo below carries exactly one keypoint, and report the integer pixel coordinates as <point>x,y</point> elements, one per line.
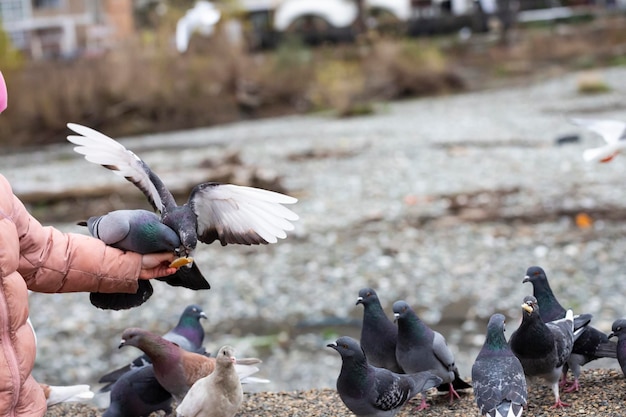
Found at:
<point>612,131</point>
<point>202,18</point>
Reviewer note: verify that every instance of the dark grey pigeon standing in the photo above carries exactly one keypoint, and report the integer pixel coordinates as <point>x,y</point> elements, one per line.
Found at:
<point>225,212</point>
<point>138,394</point>
<point>592,344</point>
<point>375,392</point>
<point>619,331</point>
<point>378,333</point>
<point>543,348</point>
<point>497,375</point>
<point>139,231</point>
<point>419,348</point>
<point>187,334</point>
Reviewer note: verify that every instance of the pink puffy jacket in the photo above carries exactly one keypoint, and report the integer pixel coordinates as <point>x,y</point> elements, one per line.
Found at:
<point>45,260</point>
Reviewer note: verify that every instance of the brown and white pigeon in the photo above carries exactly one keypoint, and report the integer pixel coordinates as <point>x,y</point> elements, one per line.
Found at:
<point>176,369</point>
<point>218,394</point>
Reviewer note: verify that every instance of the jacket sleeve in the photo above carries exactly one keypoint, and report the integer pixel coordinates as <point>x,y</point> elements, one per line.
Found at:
<point>52,261</point>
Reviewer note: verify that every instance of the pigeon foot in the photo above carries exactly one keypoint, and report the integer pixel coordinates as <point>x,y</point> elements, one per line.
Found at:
<point>559,404</point>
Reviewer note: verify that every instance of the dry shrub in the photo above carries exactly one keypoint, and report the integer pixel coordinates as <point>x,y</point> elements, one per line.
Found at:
<point>409,68</point>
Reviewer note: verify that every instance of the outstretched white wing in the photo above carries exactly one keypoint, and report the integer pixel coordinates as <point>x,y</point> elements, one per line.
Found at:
<point>101,149</point>
<point>243,215</point>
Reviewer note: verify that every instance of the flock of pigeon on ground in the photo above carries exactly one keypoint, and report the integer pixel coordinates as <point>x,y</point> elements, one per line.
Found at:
<point>391,364</point>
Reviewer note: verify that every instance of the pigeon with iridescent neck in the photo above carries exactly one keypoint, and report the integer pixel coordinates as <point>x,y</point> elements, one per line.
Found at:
<point>378,333</point>
<point>375,392</point>
<point>140,231</point>
<point>419,348</point>
<point>497,375</point>
<point>590,345</point>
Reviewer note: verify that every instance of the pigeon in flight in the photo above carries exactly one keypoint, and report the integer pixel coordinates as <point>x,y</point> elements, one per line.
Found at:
<point>612,131</point>
<point>497,375</point>
<point>229,213</point>
<point>543,348</point>
<point>139,231</point>
<point>187,334</point>
<point>592,343</point>
<point>216,395</point>
<point>419,348</point>
<point>375,392</point>
<point>378,333</point>
<point>619,330</point>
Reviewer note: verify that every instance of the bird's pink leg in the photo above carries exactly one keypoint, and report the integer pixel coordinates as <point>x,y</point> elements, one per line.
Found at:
<point>453,394</point>
<point>559,404</point>
<point>574,387</point>
<point>423,405</point>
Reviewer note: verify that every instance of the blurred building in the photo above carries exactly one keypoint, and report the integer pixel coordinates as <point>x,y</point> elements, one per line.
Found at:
<point>66,28</point>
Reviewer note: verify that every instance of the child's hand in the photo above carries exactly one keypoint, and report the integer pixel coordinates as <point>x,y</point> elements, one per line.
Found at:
<point>155,265</point>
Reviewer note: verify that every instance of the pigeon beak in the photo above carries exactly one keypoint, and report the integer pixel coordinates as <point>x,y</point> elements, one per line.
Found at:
<point>359,301</point>
<point>396,316</point>
<point>527,308</point>
<point>203,315</point>
<point>122,344</point>
<point>611,335</point>
<point>332,345</point>
<point>526,279</point>
<point>233,359</point>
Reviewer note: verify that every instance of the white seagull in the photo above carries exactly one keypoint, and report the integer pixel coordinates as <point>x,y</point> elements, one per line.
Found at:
<point>612,131</point>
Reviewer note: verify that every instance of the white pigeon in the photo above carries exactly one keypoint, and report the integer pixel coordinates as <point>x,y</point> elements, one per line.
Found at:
<point>202,17</point>
<point>612,131</point>
<point>217,395</point>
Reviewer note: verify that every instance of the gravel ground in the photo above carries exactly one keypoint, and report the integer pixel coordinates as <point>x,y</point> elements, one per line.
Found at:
<point>443,202</point>
<point>602,394</point>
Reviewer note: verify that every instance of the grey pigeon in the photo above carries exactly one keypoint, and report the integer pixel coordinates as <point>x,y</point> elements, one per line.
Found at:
<point>224,212</point>
<point>419,348</point>
<point>139,231</point>
<point>378,333</point>
<point>216,395</point>
<point>177,369</point>
<point>137,393</point>
<point>619,331</point>
<point>497,375</point>
<point>376,392</point>
<point>612,131</point>
<point>543,348</point>
<point>187,334</point>
<point>592,343</point>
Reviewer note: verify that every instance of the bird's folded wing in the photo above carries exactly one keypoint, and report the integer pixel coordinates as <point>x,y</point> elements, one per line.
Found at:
<point>241,215</point>
<point>101,149</point>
